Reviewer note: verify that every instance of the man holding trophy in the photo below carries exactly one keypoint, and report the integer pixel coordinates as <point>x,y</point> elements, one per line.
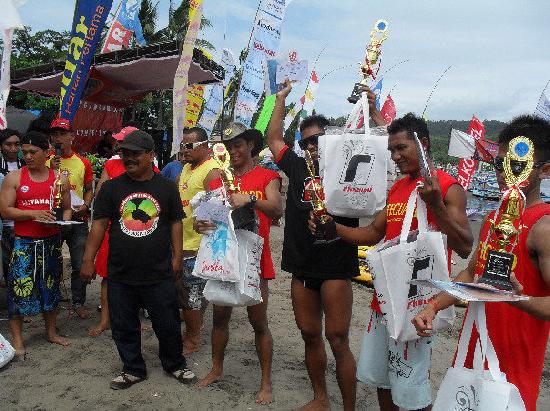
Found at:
<point>515,239</point>
<point>33,281</point>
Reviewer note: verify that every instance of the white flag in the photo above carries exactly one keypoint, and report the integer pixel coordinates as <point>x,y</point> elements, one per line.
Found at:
<point>462,145</point>
<point>543,108</point>
<point>9,21</point>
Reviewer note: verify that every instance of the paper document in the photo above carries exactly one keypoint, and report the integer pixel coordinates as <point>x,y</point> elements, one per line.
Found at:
<point>471,291</point>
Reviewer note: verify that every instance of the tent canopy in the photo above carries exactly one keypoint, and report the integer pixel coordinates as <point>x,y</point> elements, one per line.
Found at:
<point>121,77</point>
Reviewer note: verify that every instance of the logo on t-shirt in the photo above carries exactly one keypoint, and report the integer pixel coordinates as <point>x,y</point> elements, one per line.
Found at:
<point>24,189</point>
<point>139,214</point>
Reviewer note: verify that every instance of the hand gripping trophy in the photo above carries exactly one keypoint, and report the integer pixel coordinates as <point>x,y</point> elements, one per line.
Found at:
<point>370,68</point>
<point>505,225</point>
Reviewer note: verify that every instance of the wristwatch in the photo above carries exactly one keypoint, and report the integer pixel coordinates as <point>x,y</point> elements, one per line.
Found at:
<point>253,200</point>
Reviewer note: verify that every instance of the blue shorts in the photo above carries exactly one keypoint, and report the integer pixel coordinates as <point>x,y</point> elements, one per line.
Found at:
<point>34,276</point>
<point>190,288</point>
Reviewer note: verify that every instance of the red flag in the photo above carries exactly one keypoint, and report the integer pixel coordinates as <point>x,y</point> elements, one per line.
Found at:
<point>486,150</point>
<point>467,166</point>
<point>388,110</point>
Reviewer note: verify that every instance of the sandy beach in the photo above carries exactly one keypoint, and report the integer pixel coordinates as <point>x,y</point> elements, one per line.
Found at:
<point>57,378</point>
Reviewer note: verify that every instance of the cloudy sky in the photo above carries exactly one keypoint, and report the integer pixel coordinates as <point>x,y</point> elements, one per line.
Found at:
<point>499,50</point>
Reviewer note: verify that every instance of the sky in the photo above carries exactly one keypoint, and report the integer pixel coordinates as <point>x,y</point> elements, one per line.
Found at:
<point>498,50</point>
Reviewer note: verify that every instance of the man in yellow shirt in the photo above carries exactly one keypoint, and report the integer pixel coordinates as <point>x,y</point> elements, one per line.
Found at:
<point>196,176</point>
<point>79,172</point>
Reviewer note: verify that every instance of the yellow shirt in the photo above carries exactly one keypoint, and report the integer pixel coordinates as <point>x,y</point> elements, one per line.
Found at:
<point>191,182</point>
<point>78,170</point>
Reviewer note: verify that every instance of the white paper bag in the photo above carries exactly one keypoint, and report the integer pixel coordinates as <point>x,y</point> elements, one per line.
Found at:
<point>217,258</point>
<point>477,389</point>
<point>7,352</point>
<point>353,168</point>
<point>394,266</point>
<point>246,291</point>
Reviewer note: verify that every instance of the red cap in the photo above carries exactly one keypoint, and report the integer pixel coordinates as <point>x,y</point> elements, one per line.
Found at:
<point>123,133</point>
<point>61,123</point>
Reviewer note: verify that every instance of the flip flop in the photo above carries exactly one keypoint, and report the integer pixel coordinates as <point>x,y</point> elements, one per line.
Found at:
<point>124,380</point>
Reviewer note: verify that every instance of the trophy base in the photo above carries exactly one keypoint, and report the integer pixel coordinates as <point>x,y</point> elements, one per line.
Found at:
<point>58,213</point>
<point>497,270</point>
<point>325,233</point>
<point>355,94</point>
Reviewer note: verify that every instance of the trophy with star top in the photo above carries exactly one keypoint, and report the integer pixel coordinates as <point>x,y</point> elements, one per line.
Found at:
<point>371,66</point>
<point>505,226</point>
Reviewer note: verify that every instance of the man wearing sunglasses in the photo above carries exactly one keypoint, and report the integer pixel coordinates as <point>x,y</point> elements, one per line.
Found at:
<point>145,254</point>
<point>517,330</point>
<point>197,174</point>
<point>320,274</point>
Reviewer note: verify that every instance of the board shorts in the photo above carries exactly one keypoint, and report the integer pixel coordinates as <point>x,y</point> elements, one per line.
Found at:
<point>190,288</point>
<point>314,283</point>
<point>34,277</point>
<point>402,367</point>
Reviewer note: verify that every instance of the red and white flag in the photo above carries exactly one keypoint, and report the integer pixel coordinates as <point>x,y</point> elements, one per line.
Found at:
<point>467,166</point>
<point>388,110</point>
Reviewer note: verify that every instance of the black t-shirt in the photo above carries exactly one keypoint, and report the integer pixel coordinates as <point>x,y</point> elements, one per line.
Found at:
<point>141,213</point>
<point>300,256</point>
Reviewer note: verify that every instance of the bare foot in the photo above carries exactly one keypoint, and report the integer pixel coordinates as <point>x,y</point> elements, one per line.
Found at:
<point>316,405</point>
<point>264,396</point>
<point>20,352</point>
<point>212,377</point>
<point>191,345</point>
<point>98,329</point>
<point>83,313</point>
<point>56,339</point>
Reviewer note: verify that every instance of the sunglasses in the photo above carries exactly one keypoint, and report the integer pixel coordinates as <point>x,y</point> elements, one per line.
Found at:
<point>314,139</point>
<point>517,166</point>
<point>191,146</point>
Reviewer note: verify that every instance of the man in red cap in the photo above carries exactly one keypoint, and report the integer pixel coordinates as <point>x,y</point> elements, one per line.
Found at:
<point>79,172</point>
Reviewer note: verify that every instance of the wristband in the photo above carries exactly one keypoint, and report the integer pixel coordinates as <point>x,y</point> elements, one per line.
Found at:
<point>434,305</point>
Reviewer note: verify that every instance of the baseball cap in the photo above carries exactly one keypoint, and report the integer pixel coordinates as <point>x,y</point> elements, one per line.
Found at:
<point>234,130</point>
<point>138,140</point>
<point>61,124</point>
<point>124,132</point>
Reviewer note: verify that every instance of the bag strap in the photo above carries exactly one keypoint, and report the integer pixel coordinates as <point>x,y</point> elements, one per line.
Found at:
<point>353,118</point>
<point>487,347</point>
<point>366,114</point>
<point>466,334</point>
<point>413,202</point>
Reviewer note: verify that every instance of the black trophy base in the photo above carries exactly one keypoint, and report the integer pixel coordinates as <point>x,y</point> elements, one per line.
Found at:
<point>325,233</point>
<point>497,270</point>
<point>58,213</point>
<point>355,94</point>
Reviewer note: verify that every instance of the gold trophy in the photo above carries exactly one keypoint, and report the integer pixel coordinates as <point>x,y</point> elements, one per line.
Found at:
<point>325,231</point>
<point>56,201</point>
<point>518,164</point>
<point>221,156</point>
<point>378,35</point>
<point>243,217</point>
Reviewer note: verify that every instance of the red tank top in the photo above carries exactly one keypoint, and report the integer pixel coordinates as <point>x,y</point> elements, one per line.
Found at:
<point>519,338</point>
<point>254,182</point>
<point>32,195</point>
<point>396,207</point>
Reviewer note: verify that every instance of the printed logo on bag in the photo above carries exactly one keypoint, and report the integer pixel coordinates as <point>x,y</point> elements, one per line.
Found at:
<point>422,268</point>
<point>139,215</point>
<point>466,398</point>
<point>358,161</point>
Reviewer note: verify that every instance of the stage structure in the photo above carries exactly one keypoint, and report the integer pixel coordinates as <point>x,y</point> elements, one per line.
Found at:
<point>116,81</point>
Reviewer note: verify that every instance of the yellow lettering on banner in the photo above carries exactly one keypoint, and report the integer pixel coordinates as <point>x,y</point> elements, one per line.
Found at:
<point>81,27</point>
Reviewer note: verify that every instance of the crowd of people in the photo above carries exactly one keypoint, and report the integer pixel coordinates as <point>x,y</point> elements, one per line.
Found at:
<point>143,241</point>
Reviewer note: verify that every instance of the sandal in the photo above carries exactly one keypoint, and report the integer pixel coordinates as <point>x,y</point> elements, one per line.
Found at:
<point>124,380</point>
<point>184,375</point>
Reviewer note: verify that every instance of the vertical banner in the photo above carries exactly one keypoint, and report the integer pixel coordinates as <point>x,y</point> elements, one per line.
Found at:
<point>125,23</point>
<point>467,166</point>
<point>266,36</point>
<point>194,105</point>
<point>89,18</point>
<point>181,79</point>
<point>10,20</point>
<point>214,103</point>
